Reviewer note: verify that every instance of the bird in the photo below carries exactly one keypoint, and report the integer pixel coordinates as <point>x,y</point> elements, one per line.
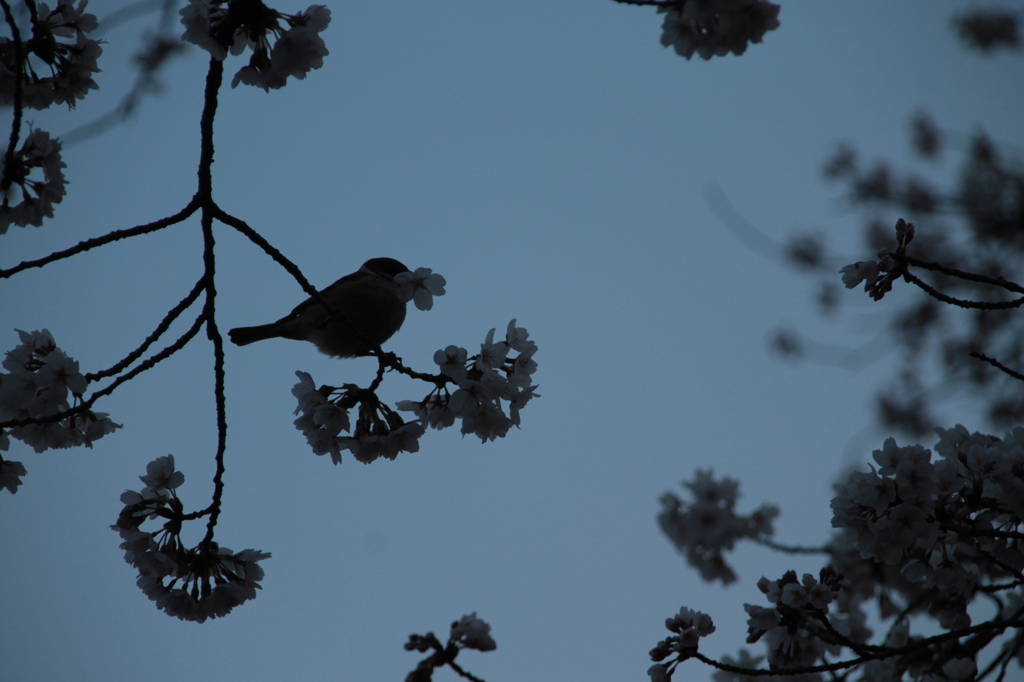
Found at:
<point>369,312</point>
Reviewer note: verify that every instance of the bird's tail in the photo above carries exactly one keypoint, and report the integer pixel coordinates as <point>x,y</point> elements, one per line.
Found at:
<point>243,336</point>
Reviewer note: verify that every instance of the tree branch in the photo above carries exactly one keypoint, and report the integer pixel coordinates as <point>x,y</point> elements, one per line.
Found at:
<point>19,59</point>
<point>789,549</point>
<point>165,323</point>
<point>88,244</point>
<point>463,673</point>
<point>988,626</point>
<point>87,404</point>
<point>961,303</point>
<point>969,276</point>
<point>258,239</point>
<point>214,79</point>
<point>650,3</point>
<point>995,363</point>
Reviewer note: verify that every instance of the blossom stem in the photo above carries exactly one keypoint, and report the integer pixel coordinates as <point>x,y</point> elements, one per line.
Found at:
<point>394,362</point>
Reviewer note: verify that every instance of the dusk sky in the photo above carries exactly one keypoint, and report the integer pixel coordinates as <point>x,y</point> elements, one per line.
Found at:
<point>553,161</point>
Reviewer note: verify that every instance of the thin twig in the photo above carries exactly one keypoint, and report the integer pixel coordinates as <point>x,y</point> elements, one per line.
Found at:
<point>394,362</point>
<point>969,276</point>
<point>145,79</point>
<point>258,239</point>
<point>1011,653</point>
<point>469,676</point>
<point>87,404</point>
<point>850,663</point>
<point>839,638</point>
<point>998,365</point>
<point>165,323</point>
<point>650,3</point>
<point>982,532</point>
<point>88,244</point>
<point>961,303</point>
<point>789,549</point>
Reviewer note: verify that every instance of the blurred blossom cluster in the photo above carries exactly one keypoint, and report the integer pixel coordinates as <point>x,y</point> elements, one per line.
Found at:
<point>37,386</point>
<point>968,247</point>
<point>206,581</point>
<point>986,29</point>
<point>469,632</point>
<point>37,196</point>
<point>485,383</point>
<point>921,539</point>
<point>278,51</point>
<point>709,526</point>
<point>713,28</point>
<point>59,49</point>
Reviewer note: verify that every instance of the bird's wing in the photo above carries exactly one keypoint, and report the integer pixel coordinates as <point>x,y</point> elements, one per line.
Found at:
<point>309,302</point>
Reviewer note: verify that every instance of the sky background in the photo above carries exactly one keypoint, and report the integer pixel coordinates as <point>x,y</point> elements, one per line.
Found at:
<point>551,160</point>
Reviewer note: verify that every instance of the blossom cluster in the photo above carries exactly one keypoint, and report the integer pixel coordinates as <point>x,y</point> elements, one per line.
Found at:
<point>879,275</point>
<point>469,632</point>
<point>37,195</point>
<point>206,581</point>
<point>709,526</point>
<point>951,526</point>
<point>919,535</point>
<point>688,627</point>
<point>485,383</point>
<point>278,51</point>
<point>986,29</point>
<point>61,44</point>
<point>40,379</point>
<point>379,430</point>
<point>716,27</point>
<point>797,629</point>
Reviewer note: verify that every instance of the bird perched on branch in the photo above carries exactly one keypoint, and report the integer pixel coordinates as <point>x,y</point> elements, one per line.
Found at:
<point>367,312</point>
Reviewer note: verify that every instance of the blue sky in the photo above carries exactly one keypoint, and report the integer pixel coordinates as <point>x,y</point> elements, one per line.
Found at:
<point>551,161</point>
